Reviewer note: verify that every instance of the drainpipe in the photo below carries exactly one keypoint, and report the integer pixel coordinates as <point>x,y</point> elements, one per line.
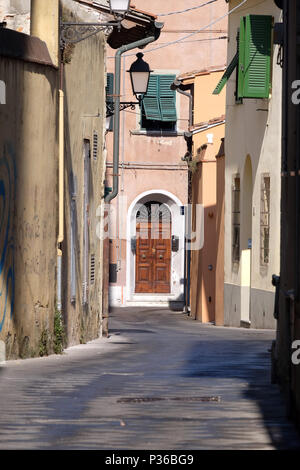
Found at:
<point>117,91</point>
<point>60,237</point>
<point>176,86</point>
<point>189,139</point>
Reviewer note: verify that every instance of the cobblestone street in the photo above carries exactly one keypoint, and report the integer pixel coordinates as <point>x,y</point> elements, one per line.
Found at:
<point>160,381</point>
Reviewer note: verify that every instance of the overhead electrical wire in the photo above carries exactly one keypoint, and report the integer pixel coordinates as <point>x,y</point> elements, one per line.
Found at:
<point>201,40</point>
<point>146,51</point>
<point>187,9</point>
<point>179,31</point>
<point>192,34</point>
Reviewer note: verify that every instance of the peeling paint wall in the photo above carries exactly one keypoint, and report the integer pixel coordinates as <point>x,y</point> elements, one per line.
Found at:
<point>16,13</point>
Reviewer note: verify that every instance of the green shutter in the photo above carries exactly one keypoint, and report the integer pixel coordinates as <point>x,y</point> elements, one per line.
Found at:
<point>159,103</point>
<point>233,64</point>
<point>241,61</point>
<point>256,81</point>
<point>151,100</point>
<point>167,98</point>
<point>109,98</point>
<point>109,86</point>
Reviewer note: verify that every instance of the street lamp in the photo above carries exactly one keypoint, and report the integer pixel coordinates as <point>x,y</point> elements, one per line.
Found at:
<point>140,75</point>
<point>119,7</point>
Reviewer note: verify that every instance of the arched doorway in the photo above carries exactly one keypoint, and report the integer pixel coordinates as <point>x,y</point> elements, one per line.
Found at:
<point>171,215</point>
<point>153,249</point>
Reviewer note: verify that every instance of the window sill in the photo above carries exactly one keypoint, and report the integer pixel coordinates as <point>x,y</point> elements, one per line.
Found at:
<point>158,133</point>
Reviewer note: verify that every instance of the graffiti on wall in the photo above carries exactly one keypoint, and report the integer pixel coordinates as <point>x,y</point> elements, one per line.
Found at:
<point>7,271</point>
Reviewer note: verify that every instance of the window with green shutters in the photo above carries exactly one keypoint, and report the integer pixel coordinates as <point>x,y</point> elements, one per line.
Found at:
<point>109,94</point>
<point>254,74</point>
<point>109,87</point>
<point>233,64</point>
<point>253,58</point>
<point>159,104</point>
<point>151,106</point>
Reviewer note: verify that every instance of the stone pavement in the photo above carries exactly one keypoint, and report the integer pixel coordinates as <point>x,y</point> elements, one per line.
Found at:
<point>161,381</point>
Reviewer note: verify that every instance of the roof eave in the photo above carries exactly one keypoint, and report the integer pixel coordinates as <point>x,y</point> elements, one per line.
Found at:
<point>145,24</point>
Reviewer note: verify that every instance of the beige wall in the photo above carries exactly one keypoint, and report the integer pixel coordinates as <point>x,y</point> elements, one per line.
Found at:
<point>253,130</point>
<point>204,295</point>
<point>206,105</point>
<point>28,143</point>
<point>206,299</point>
<point>83,86</point>
<point>29,137</point>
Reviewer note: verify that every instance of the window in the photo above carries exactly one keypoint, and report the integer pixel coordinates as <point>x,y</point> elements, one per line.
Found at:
<point>236,219</point>
<point>159,104</point>
<point>153,211</point>
<point>253,58</point>
<point>92,269</point>
<point>265,221</point>
<point>95,145</point>
<point>109,97</point>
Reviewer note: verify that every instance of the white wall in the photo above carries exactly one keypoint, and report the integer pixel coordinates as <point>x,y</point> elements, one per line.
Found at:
<point>253,128</point>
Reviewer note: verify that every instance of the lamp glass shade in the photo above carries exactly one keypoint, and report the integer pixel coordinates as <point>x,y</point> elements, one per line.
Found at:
<point>119,6</point>
<point>139,81</point>
<point>140,74</point>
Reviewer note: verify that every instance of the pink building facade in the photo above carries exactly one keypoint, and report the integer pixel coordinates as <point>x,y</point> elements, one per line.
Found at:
<point>152,173</point>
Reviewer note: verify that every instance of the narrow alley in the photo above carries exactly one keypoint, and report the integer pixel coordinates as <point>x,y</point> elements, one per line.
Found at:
<point>160,381</point>
<point>150,227</point>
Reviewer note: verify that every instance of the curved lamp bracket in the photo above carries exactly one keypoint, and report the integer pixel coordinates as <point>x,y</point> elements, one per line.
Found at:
<point>72,33</point>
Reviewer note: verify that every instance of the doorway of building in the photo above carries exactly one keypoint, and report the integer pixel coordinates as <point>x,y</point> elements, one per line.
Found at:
<point>153,249</point>
<point>246,243</point>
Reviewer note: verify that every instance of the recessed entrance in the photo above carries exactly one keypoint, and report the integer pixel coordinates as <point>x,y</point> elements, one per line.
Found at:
<point>158,281</point>
<point>153,249</point>
<point>246,243</point>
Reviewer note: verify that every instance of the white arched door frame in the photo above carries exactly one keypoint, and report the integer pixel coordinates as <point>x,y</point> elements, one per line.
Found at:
<point>177,258</point>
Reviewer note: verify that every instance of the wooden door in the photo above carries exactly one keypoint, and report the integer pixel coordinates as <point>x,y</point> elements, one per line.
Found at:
<point>153,258</point>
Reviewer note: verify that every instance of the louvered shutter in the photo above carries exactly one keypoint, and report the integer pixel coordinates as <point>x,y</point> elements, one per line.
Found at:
<point>167,98</point>
<point>241,61</point>
<point>257,57</point>
<point>233,64</point>
<point>151,100</point>
<point>109,98</point>
<point>109,86</point>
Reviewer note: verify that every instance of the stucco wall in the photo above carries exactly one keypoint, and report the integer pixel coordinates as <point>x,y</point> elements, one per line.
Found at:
<point>253,130</point>
<point>29,140</point>
<point>204,262</point>
<point>84,90</point>
<point>205,267</point>
<point>16,13</point>
<point>28,146</point>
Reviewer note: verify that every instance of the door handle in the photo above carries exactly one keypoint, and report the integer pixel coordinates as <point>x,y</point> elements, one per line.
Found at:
<point>143,256</point>
<point>160,256</point>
